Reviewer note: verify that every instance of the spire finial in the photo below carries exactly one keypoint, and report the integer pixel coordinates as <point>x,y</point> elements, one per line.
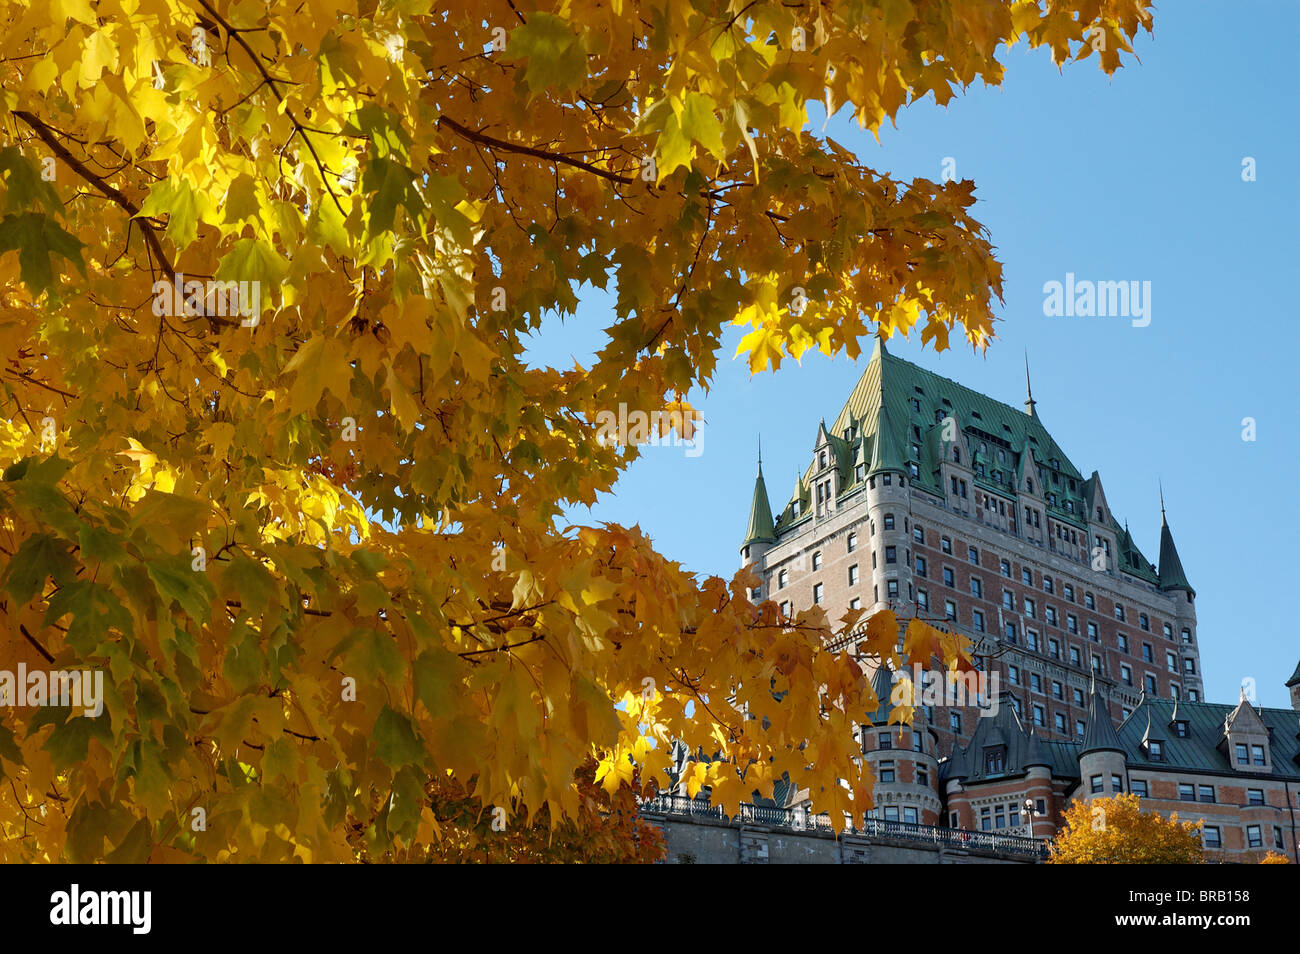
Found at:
<point>760,453</point>
<point>1029,390</point>
<point>1161,485</point>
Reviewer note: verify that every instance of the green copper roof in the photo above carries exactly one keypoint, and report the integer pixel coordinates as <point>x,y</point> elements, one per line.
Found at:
<point>1295,677</point>
<point>1100,735</point>
<point>892,421</point>
<point>1203,749</point>
<point>1131,560</point>
<point>886,452</point>
<point>912,435</point>
<point>760,513</point>
<point>1172,576</point>
<point>882,683</point>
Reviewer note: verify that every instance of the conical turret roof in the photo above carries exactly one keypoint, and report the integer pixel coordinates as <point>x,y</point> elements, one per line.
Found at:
<point>1172,576</point>
<point>760,512</point>
<point>1100,734</point>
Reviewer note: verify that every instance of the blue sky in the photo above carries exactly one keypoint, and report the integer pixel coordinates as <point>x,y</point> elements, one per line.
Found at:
<point>1133,178</point>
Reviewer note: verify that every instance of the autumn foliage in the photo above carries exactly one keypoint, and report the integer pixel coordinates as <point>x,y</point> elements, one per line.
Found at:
<point>1115,831</point>
<point>274,461</point>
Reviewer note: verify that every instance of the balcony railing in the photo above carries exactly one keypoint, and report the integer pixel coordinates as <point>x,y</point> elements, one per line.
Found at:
<point>793,819</point>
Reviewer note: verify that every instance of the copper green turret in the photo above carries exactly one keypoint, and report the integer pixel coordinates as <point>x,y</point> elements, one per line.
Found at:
<point>1172,576</point>
<point>760,529</point>
<point>886,452</point>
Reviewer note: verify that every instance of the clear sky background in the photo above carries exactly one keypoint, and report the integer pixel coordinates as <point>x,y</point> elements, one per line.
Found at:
<point>1135,178</point>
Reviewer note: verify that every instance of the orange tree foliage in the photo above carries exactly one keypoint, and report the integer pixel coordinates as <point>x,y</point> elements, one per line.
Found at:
<point>309,530</point>
<point>1115,831</point>
<point>1274,858</point>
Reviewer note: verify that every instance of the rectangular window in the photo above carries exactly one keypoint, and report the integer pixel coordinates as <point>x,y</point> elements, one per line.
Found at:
<point>817,560</point>
<point>1242,756</point>
<point>1186,792</point>
<point>1151,684</point>
<point>886,771</point>
<point>891,554</point>
<point>976,587</point>
<point>1092,632</point>
<point>853,575</point>
<point>977,621</point>
<point>1009,631</point>
<point>1027,576</point>
<point>1148,655</point>
<point>949,578</point>
<point>1088,601</point>
<point>891,588</point>
<point>1040,716</point>
<point>1031,639</point>
<point>909,815</point>
<point>1054,648</point>
<point>1060,723</point>
<point>950,610</point>
<point>886,740</point>
<point>1126,674</point>
<point>1058,691</point>
<point>1006,568</point>
<point>1122,641</point>
<point>1138,786</point>
<point>1008,600</point>
<point>1074,656</point>
<point>818,590</point>
<point>1116,783</point>
<point>920,566</point>
<point>1254,838</point>
<point>889,521</point>
<point>1119,612</point>
<point>1050,612</point>
<point>974,556</point>
<point>1068,590</point>
<point>1171,662</point>
<point>1205,793</point>
<point>1257,754</point>
<point>1254,796</point>
<point>1079,728</point>
<point>1210,835</point>
<point>1029,609</point>
<point>855,603</point>
<point>1096,785</point>
<point>918,535</point>
<point>1013,675</point>
<point>1144,623</point>
<point>923,600</point>
<point>853,542</point>
<point>945,545</point>
<point>1156,750</point>
<point>954,722</point>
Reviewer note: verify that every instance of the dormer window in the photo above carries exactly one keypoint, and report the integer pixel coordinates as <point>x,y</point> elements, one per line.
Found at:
<point>956,455</point>
<point>823,459</point>
<point>1180,728</point>
<point>995,759</point>
<point>1155,750</point>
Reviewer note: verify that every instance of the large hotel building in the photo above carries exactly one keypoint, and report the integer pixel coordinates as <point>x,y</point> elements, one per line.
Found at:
<point>933,500</point>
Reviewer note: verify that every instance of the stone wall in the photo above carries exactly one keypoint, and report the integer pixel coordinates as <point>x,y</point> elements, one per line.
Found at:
<point>706,840</point>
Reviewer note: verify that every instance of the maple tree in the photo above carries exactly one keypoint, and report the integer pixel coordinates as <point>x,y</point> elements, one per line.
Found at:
<point>1115,831</point>
<point>274,460</point>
